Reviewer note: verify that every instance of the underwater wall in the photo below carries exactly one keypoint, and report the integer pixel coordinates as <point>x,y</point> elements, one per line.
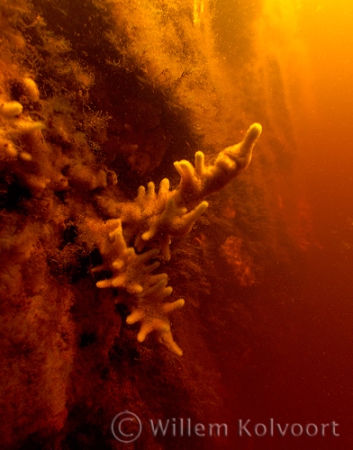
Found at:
<point>152,243</point>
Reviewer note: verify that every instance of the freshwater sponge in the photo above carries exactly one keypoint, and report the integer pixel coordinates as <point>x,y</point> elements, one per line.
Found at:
<point>153,219</point>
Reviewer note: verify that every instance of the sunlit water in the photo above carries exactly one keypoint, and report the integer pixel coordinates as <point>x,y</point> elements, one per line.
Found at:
<point>303,373</point>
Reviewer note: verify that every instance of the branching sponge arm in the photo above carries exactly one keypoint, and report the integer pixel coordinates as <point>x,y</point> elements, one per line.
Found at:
<point>200,181</point>
<point>153,219</point>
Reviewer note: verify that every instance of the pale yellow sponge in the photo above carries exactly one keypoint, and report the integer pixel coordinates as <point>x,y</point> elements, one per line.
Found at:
<point>156,216</point>
<point>10,109</point>
<point>153,218</point>
<point>129,269</point>
<point>31,89</point>
<point>200,181</point>
<point>173,221</point>
<point>153,313</point>
<point>12,127</point>
<point>131,272</point>
<point>147,204</point>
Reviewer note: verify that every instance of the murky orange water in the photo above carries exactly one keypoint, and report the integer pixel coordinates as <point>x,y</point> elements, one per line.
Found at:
<point>304,372</point>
